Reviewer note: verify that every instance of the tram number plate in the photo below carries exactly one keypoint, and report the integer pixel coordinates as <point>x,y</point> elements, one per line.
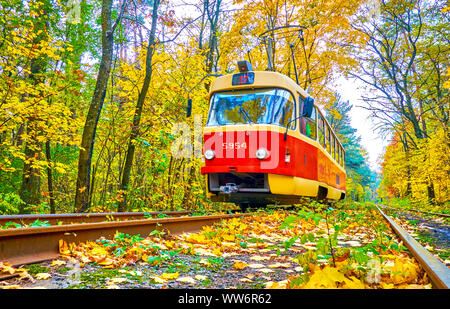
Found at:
<point>234,145</point>
<point>243,78</point>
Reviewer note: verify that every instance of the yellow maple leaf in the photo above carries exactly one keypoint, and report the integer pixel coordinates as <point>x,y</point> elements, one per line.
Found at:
<point>240,265</point>
<point>6,267</point>
<point>329,278</point>
<point>58,263</point>
<point>197,239</point>
<point>277,285</point>
<point>99,251</point>
<point>229,238</point>
<point>217,251</point>
<point>170,276</point>
<point>43,276</point>
<point>385,285</point>
<point>63,247</point>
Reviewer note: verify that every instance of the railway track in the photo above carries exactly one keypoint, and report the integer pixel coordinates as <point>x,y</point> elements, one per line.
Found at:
<point>36,244</point>
<point>32,245</point>
<point>419,211</point>
<point>59,219</point>
<point>438,273</point>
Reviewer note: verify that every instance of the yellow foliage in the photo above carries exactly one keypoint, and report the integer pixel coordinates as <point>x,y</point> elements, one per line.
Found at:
<point>331,278</point>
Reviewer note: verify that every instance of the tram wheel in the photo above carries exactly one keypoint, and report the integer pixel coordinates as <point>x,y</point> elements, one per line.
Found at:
<point>244,206</point>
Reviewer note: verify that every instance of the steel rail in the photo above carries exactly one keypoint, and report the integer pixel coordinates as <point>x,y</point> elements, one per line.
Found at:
<point>54,219</point>
<point>36,244</point>
<point>438,273</point>
<point>417,210</point>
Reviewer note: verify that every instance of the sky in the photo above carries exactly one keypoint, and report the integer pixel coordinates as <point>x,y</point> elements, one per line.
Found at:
<point>373,143</point>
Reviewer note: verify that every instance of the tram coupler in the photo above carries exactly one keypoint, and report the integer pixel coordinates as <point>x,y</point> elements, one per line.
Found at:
<point>229,188</point>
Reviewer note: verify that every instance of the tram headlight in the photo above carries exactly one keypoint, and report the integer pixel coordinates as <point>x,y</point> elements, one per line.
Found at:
<point>262,153</point>
<point>209,154</point>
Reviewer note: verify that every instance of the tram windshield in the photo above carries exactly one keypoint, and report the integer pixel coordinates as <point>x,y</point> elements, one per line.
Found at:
<point>264,106</point>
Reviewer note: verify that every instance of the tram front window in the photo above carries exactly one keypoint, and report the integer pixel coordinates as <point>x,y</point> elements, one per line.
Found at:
<point>265,106</point>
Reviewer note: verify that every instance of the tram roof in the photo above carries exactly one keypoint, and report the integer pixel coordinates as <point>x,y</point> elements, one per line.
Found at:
<point>263,79</point>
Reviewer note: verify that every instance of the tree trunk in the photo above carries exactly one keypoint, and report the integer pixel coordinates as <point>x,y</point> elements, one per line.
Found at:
<point>30,188</point>
<point>90,127</point>
<point>50,178</point>
<point>138,110</point>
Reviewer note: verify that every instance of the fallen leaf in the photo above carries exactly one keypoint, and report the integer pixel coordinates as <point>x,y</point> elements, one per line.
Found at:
<point>63,247</point>
<point>240,265</point>
<point>280,265</point>
<point>186,280</point>
<point>43,276</point>
<point>259,258</point>
<point>170,276</point>
<point>6,267</point>
<point>58,263</point>
<point>256,265</point>
<point>116,280</point>
<point>10,287</point>
<point>158,279</point>
<point>330,278</point>
<point>276,285</point>
<point>245,280</point>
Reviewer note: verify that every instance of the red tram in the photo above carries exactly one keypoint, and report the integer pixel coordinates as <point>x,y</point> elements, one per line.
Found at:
<point>266,142</point>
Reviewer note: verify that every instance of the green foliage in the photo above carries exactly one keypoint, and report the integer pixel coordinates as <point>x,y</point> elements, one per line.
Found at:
<point>10,203</point>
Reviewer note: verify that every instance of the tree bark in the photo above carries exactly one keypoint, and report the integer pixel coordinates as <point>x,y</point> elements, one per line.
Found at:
<point>90,127</point>
<point>138,110</point>
<point>51,194</point>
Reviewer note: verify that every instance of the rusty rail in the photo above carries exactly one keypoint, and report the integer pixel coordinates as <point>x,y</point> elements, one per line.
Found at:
<point>54,219</point>
<point>438,273</point>
<point>32,245</point>
<point>417,210</point>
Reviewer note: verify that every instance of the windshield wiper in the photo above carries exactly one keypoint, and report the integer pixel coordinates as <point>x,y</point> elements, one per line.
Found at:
<point>249,120</point>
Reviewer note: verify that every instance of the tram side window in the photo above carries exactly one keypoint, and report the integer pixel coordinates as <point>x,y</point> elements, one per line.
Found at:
<point>335,144</point>
<point>321,130</point>
<point>338,153</point>
<point>328,140</point>
<point>308,125</point>
<point>333,147</point>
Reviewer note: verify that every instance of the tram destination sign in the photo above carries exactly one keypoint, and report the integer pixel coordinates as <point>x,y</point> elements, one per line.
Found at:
<point>243,78</point>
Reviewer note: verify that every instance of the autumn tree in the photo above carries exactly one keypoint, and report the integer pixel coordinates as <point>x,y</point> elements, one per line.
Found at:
<point>321,50</point>
<point>404,73</point>
<point>95,108</point>
<point>36,99</point>
<point>139,106</point>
